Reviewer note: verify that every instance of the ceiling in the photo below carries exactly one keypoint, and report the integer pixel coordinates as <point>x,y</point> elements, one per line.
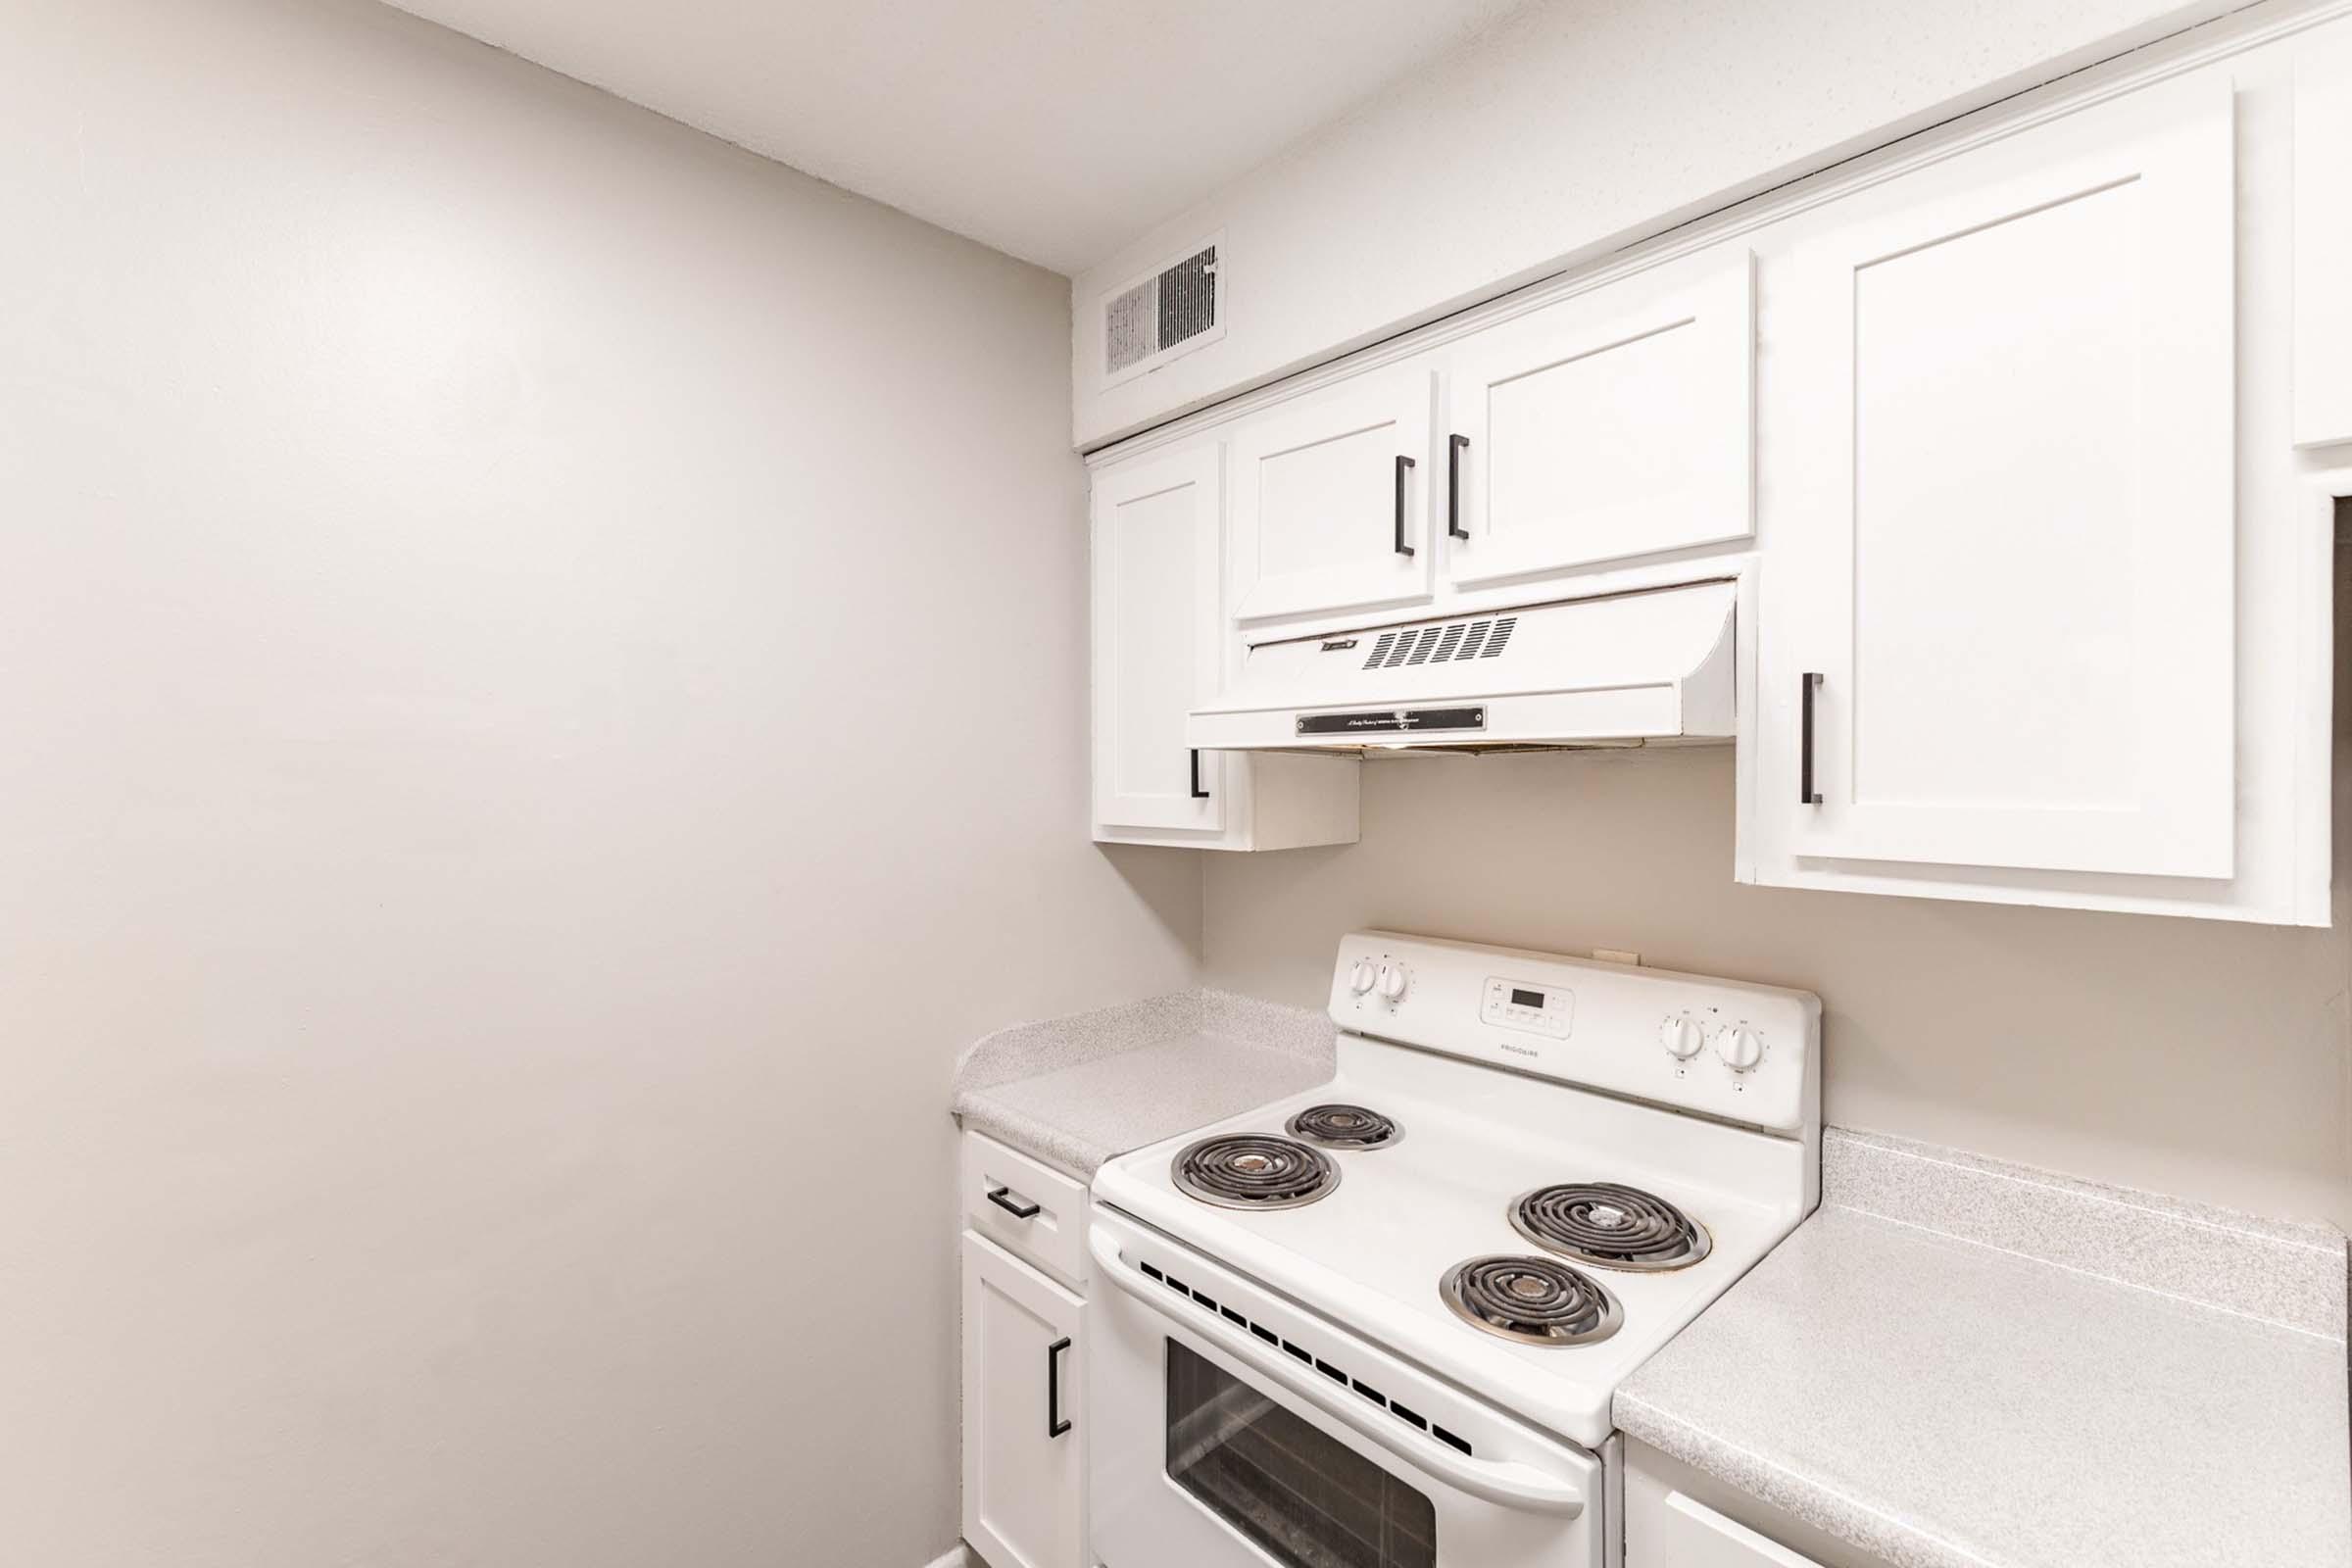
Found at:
<point>1052,130</point>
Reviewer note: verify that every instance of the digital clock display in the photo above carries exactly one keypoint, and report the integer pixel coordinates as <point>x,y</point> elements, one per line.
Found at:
<point>1526,999</point>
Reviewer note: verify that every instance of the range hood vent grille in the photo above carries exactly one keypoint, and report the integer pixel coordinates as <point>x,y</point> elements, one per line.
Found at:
<point>1441,645</point>
<point>1647,667</point>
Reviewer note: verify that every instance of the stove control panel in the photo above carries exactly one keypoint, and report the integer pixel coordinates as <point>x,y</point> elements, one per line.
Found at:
<point>1725,1048</point>
<point>1530,1004</point>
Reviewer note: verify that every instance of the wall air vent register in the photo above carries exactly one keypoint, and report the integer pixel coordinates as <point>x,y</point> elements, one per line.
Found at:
<point>1173,310</point>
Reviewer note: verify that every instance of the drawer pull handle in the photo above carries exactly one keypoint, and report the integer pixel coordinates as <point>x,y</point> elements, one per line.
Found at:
<point>1017,1207</point>
<point>1806,793</point>
<point>1455,449</point>
<point>1056,1426</point>
<point>1404,466</point>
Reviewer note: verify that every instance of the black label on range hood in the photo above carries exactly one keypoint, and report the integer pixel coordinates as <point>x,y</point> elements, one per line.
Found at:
<point>1393,720</point>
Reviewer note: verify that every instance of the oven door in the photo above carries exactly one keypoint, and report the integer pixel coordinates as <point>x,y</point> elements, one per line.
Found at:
<point>1232,1428</point>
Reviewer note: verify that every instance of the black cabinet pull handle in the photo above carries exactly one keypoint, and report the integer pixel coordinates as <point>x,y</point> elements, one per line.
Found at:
<point>1405,466</point>
<point>1806,794</point>
<point>1454,486</point>
<point>1017,1207</point>
<point>1199,793</point>
<point>1056,1426</point>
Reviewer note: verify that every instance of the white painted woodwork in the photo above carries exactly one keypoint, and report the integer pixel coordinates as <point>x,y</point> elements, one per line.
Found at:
<point>2243,752</point>
<point>1315,500</point>
<point>2324,241</point>
<point>1158,649</point>
<point>1155,583</point>
<point>2018,380</point>
<point>1614,423</point>
<point>1023,1489</point>
<point>1676,1516</point>
<point>1054,1238</point>
<point>1692,1535</point>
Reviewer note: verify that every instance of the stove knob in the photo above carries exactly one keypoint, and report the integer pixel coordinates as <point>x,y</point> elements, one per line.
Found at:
<point>1392,981</point>
<point>1682,1036</point>
<point>1361,980</point>
<point>1739,1047</point>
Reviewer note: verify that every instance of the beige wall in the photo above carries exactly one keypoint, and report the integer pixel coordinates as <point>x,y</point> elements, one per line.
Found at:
<point>2189,1056</point>
<point>1569,129</point>
<point>491,888</point>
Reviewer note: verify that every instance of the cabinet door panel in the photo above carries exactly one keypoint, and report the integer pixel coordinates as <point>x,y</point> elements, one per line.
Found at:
<point>2324,241</point>
<point>1023,1480</point>
<point>1324,516</point>
<point>2023,408</point>
<point>1616,423</point>
<point>1155,583</point>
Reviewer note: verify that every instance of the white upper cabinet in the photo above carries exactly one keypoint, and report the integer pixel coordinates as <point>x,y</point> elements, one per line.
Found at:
<point>1615,424</point>
<point>1161,644</point>
<point>1155,593</point>
<point>2323,242</point>
<point>1331,500</point>
<point>2013,617</point>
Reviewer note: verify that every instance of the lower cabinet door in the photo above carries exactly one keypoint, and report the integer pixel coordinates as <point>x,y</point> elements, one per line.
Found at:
<point>1692,1535</point>
<point>1024,1480</point>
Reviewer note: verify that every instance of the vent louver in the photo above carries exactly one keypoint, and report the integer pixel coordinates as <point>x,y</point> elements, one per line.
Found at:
<point>1173,307</point>
<point>1363,1390</point>
<point>1441,645</point>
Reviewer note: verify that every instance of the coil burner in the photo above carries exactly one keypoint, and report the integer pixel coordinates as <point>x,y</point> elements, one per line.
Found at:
<point>1610,1226</point>
<point>1534,1301</point>
<point>1249,1170</point>
<point>1344,1127</point>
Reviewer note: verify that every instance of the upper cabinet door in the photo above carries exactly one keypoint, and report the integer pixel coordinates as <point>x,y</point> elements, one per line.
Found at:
<point>2017,571</point>
<point>2324,241</point>
<point>1154,650</point>
<point>1619,422</point>
<point>1331,500</point>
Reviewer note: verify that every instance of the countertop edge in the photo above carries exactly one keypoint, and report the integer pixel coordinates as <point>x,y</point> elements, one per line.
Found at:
<point>1073,1156</point>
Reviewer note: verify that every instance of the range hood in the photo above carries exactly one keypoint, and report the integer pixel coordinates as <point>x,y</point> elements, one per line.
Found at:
<point>1629,670</point>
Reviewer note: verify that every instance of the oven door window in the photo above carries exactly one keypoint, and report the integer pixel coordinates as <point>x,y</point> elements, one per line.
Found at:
<point>1306,1499</point>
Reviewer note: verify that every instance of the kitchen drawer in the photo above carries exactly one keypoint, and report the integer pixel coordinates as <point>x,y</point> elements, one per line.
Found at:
<point>1000,1181</point>
<point>1688,1534</point>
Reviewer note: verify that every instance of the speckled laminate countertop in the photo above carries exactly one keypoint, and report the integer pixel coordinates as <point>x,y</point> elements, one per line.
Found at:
<point>1073,1091</point>
<point>1961,1364</point>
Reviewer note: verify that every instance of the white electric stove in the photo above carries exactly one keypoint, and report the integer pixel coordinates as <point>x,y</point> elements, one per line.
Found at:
<point>1378,1324</point>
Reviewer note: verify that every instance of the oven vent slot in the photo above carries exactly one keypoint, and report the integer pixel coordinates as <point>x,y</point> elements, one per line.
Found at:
<point>1298,1352</point>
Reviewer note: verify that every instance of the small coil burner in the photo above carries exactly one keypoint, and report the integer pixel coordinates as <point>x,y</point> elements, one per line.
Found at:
<point>1610,1226</point>
<point>1249,1170</point>
<point>1344,1127</point>
<point>1534,1300</point>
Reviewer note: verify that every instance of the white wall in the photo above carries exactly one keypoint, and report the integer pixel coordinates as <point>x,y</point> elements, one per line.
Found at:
<point>1565,132</point>
<point>490,888</point>
<point>2196,1057</point>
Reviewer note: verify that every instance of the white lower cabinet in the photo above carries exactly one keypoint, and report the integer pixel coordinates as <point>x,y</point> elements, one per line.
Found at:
<point>1024,1356</point>
<point>1159,648</point>
<point>1676,1517</point>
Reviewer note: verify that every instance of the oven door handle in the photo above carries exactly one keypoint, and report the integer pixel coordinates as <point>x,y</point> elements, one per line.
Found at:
<point>1505,1482</point>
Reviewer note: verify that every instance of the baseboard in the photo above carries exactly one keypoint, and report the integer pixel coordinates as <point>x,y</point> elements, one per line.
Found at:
<point>959,1555</point>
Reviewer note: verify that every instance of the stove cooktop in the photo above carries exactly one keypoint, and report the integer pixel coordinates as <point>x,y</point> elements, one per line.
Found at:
<point>1530,1237</point>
